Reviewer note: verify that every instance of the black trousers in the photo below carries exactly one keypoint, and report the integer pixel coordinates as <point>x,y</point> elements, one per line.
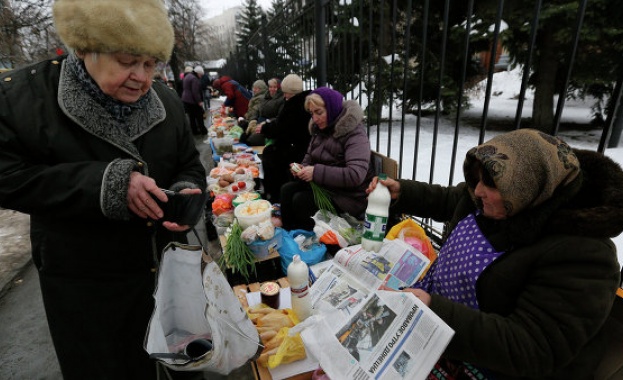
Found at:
<point>195,114</point>
<point>276,172</point>
<point>297,206</point>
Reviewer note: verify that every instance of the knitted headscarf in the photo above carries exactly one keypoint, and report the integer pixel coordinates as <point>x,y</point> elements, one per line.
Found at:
<point>526,165</point>
<point>333,102</point>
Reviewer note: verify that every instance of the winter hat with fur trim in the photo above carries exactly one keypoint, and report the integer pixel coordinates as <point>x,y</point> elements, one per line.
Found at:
<point>292,84</point>
<point>128,26</point>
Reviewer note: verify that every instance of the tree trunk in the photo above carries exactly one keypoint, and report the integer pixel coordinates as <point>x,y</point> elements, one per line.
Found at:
<point>545,84</point>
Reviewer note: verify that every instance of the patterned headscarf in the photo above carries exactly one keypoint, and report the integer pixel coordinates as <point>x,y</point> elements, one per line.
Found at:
<point>526,165</point>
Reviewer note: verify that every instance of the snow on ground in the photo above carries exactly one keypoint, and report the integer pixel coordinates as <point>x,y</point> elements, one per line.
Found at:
<point>434,154</point>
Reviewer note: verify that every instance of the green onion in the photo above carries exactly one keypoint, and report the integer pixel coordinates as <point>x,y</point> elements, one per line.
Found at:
<point>321,196</point>
<point>237,255</point>
<point>322,199</point>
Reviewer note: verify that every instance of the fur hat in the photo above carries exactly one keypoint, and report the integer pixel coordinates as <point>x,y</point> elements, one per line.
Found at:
<point>292,84</point>
<point>260,84</point>
<point>188,69</point>
<point>135,27</point>
<point>198,69</point>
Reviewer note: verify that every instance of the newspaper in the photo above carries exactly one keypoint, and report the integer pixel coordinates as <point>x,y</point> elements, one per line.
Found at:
<point>362,328</point>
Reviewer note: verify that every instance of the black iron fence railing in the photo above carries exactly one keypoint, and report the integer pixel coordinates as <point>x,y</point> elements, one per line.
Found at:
<point>421,68</point>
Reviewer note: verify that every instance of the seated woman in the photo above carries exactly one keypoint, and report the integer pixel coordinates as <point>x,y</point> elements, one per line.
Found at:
<point>269,109</point>
<point>527,274</point>
<point>289,136</point>
<point>259,97</point>
<point>337,159</point>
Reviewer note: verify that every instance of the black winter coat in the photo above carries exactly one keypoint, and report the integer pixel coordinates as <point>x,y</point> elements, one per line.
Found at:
<point>65,162</point>
<point>290,129</point>
<point>542,303</point>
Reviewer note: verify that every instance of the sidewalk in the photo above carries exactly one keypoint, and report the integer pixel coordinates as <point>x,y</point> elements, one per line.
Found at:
<point>15,252</point>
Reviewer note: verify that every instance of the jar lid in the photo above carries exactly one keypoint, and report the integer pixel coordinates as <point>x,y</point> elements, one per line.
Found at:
<point>269,288</point>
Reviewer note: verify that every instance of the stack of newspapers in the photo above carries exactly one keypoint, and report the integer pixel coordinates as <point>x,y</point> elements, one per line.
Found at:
<point>363,327</point>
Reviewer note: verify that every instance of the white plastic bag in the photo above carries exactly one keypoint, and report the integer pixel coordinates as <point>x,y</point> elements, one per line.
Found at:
<point>333,229</point>
<point>198,324</point>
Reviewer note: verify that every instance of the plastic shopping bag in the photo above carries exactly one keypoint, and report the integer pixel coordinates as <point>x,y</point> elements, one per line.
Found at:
<point>335,230</point>
<point>311,253</point>
<point>198,324</point>
<point>411,233</point>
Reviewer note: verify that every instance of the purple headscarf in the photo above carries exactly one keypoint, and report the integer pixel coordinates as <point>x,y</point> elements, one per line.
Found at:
<point>332,101</point>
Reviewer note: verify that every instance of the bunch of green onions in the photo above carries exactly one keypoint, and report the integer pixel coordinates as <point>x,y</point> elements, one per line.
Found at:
<point>321,196</point>
<point>237,255</point>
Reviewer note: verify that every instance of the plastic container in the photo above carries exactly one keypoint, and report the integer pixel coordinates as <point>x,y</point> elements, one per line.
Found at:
<point>298,277</point>
<point>377,212</point>
<point>262,248</point>
<point>223,144</point>
<point>245,197</point>
<point>253,212</point>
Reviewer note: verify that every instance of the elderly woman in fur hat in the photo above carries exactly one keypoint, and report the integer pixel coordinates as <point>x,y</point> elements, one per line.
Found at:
<point>527,274</point>
<point>87,142</point>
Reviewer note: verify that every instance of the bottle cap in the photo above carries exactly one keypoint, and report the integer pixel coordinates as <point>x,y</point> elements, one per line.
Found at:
<point>382,176</point>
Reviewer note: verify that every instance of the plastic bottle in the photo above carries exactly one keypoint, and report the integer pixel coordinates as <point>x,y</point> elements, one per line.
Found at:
<point>298,277</point>
<point>376,217</point>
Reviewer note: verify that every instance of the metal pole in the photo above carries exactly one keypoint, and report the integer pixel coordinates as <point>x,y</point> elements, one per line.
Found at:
<point>321,52</point>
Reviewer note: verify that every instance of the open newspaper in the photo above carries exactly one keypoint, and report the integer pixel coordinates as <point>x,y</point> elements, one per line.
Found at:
<point>362,328</point>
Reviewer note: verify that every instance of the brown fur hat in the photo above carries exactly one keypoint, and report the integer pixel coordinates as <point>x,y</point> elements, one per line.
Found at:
<point>128,26</point>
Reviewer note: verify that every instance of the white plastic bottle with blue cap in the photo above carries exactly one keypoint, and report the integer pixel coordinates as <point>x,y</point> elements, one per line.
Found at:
<point>377,213</point>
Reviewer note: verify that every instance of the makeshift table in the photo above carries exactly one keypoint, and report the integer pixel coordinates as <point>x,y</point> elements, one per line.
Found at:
<point>266,268</point>
<point>260,372</point>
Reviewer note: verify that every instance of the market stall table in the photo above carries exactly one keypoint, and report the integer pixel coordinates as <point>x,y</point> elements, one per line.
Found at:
<point>241,291</point>
<point>267,268</point>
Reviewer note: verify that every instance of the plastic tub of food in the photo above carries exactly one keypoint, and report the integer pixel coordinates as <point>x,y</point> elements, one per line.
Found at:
<point>262,248</point>
<point>253,212</point>
<point>245,197</point>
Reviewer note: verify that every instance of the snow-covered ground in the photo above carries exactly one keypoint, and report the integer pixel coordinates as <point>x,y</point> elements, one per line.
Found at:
<point>436,153</point>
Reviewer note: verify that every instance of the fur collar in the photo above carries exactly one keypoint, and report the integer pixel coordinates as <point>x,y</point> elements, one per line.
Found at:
<point>597,209</point>
<point>350,118</point>
<point>92,117</point>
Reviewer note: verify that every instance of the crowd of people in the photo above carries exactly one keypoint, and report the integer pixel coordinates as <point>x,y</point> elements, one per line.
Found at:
<point>526,275</point>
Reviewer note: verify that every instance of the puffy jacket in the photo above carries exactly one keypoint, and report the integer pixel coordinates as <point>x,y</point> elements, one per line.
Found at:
<point>341,157</point>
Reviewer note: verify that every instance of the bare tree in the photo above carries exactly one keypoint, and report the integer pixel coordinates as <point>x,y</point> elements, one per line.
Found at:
<point>27,32</point>
<point>185,16</point>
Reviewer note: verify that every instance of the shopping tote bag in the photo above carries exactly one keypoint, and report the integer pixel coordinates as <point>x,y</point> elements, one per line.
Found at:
<point>198,324</point>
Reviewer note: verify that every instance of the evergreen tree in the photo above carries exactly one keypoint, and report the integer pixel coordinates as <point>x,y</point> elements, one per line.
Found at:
<point>283,45</point>
<point>598,61</point>
<point>248,28</point>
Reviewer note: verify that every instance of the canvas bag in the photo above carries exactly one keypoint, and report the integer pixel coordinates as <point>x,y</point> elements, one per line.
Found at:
<point>194,306</point>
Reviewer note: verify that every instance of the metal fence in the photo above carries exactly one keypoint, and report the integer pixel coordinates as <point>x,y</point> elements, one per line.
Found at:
<point>412,69</point>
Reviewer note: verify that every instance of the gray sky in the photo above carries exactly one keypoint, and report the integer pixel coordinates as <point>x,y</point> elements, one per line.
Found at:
<point>216,7</point>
